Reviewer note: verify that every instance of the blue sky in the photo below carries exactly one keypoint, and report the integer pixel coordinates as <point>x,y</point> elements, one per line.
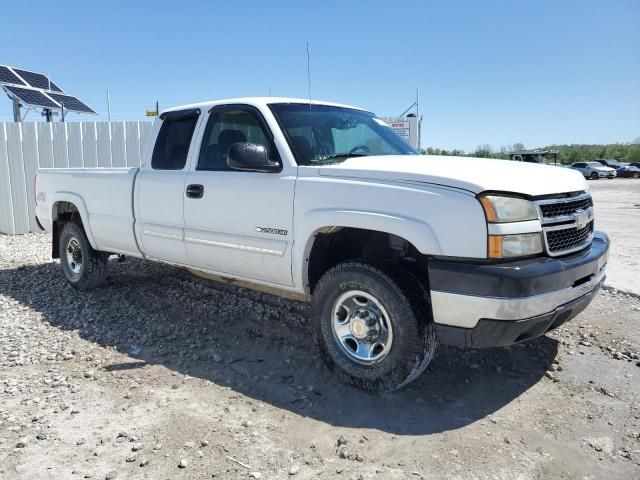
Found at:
<point>489,72</point>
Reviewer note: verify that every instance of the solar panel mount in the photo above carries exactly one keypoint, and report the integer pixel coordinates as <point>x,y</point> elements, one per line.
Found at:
<point>36,90</point>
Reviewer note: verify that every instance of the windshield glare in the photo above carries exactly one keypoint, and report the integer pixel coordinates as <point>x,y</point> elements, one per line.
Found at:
<point>320,134</point>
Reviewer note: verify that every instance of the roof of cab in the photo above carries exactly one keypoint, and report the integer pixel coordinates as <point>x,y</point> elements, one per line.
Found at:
<point>255,101</point>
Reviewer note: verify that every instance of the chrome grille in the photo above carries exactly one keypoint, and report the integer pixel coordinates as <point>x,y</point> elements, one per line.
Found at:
<point>550,210</point>
<point>569,238</point>
<point>567,223</point>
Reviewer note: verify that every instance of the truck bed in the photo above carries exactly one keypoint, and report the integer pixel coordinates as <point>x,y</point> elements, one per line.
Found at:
<point>105,194</point>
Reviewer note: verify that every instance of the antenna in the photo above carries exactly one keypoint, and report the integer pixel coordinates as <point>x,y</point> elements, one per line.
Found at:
<point>108,106</point>
<point>418,116</point>
<point>309,73</point>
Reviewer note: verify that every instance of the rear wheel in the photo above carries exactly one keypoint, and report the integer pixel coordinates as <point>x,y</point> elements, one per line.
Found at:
<point>373,325</point>
<point>594,176</point>
<point>83,267</point>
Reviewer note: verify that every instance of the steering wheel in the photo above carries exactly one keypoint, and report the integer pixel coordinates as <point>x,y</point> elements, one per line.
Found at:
<point>360,148</point>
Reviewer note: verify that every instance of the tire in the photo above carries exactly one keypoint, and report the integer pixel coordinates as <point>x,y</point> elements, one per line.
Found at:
<point>594,176</point>
<point>404,309</point>
<point>83,267</point>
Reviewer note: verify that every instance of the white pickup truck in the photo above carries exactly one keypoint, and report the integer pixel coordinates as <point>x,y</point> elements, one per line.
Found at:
<point>397,251</point>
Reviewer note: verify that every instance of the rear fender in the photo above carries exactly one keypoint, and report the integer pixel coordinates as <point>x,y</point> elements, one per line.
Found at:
<point>78,202</point>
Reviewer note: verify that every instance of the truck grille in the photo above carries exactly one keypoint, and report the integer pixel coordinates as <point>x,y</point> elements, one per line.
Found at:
<point>550,210</point>
<point>567,223</point>
<point>559,241</point>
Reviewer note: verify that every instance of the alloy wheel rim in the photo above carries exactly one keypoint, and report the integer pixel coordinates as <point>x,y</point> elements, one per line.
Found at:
<point>361,327</point>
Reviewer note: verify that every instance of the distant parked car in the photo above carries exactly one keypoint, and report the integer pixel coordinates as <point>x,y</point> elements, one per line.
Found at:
<point>608,163</point>
<point>594,170</point>
<point>635,164</point>
<point>626,170</point>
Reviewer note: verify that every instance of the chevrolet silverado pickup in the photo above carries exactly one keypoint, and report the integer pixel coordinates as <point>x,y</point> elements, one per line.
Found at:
<point>397,252</point>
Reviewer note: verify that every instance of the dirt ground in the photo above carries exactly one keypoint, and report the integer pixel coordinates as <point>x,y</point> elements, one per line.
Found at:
<point>162,375</point>
<point>617,208</point>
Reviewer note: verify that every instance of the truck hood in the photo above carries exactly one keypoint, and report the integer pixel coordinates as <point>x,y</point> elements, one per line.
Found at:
<point>473,174</point>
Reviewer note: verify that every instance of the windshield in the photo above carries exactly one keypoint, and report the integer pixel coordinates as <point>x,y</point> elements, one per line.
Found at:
<point>320,134</point>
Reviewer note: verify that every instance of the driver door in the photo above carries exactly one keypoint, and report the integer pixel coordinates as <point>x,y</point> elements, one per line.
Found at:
<point>241,224</point>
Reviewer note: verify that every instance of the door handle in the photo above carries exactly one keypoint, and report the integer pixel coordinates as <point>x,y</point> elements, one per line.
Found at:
<point>195,191</point>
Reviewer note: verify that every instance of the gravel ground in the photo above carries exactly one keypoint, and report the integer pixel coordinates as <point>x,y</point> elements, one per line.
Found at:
<point>163,375</point>
<point>617,205</point>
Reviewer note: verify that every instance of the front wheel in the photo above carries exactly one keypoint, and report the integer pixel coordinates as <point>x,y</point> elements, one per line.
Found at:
<point>83,267</point>
<point>373,325</point>
<point>594,176</point>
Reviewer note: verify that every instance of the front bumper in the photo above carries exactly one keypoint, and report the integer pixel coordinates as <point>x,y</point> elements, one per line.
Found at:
<point>499,304</point>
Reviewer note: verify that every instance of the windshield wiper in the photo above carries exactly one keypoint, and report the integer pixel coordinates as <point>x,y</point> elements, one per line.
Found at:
<point>344,155</point>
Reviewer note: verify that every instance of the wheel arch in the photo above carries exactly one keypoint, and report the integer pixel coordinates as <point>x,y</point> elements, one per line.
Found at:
<point>69,206</point>
<point>410,234</point>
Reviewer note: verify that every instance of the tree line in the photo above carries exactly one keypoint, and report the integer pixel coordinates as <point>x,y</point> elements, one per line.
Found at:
<point>623,152</point>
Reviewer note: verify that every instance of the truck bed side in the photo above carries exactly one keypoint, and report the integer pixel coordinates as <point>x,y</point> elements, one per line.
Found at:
<point>103,198</point>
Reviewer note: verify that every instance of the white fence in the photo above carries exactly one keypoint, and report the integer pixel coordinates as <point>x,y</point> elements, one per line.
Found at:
<point>24,147</point>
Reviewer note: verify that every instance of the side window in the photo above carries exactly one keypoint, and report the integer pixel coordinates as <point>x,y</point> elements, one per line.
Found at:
<point>174,138</point>
<point>226,127</point>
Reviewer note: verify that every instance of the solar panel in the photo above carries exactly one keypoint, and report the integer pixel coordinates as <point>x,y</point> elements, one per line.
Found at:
<point>70,102</point>
<point>32,97</point>
<point>7,76</point>
<point>37,90</point>
<point>37,80</point>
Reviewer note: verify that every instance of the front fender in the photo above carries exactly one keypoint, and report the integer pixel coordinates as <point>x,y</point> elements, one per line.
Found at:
<point>415,231</point>
<point>78,202</point>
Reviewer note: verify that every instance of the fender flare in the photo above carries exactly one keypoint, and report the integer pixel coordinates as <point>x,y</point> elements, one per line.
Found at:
<point>78,202</point>
<point>416,232</point>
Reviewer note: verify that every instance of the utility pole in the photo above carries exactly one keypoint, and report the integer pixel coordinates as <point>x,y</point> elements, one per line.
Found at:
<point>157,110</point>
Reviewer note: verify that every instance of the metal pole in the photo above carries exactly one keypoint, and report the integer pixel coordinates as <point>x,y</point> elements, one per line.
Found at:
<point>108,106</point>
<point>157,109</point>
<point>62,112</point>
<point>16,110</point>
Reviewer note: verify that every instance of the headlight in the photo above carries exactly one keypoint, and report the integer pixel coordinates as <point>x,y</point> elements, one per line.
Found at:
<point>503,209</point>
<point>508,246</point>
<point>500,209</point>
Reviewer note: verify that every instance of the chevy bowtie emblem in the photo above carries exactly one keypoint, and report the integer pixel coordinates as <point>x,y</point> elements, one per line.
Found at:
<point>582,218</point>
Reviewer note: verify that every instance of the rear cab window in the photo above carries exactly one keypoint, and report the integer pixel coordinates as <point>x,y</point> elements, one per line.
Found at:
<point>174,138</point>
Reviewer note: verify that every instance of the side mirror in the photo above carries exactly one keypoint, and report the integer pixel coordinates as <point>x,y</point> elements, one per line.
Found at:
<point>250,157</point>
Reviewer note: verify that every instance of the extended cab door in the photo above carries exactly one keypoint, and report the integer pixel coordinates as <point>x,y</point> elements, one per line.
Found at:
<point>239,223</point>
<point>160,189</point>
